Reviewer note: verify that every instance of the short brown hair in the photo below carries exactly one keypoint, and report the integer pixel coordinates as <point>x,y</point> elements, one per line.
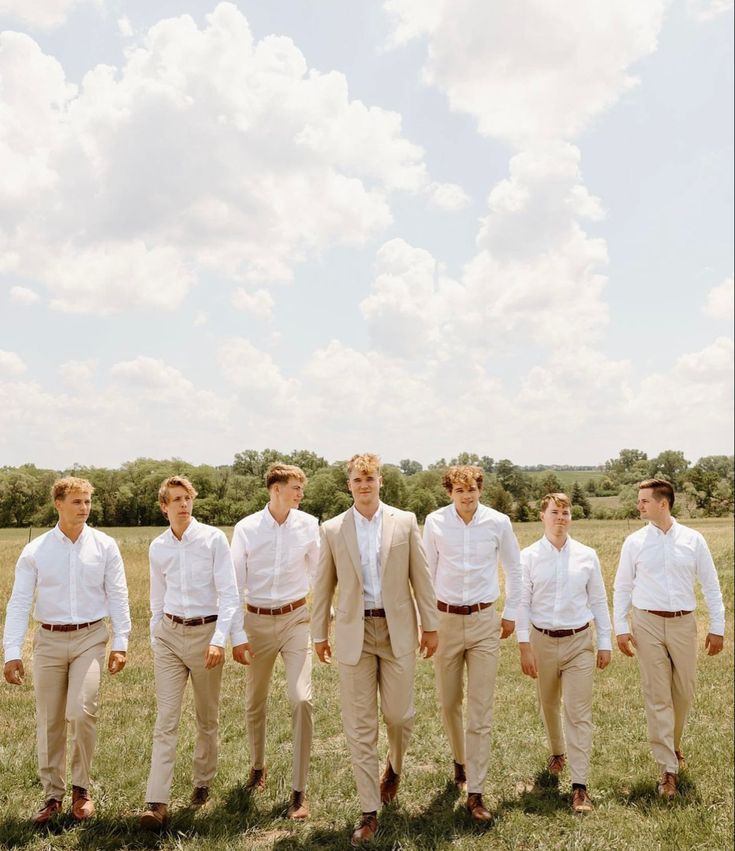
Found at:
<point>561,500</point>
<point>175,482</point>
<point>661,489</point>
<point>61,487</point>
<point>462,474</point>
<point>364,462</point>
<point>279,474</point>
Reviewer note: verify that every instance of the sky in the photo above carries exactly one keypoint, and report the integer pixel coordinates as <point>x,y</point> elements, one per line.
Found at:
<point>412,227</point>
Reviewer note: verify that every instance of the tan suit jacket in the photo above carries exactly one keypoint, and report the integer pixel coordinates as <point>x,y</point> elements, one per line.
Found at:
<point>403,570</point>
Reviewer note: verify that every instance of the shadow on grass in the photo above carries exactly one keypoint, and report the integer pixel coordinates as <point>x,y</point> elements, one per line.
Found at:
<point>645,793</point>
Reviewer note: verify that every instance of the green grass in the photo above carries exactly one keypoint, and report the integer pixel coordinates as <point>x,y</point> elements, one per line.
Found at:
<point>569,477</point>
<point>528,812</point>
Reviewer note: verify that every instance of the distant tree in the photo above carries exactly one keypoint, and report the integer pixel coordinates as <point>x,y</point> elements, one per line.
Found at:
<point>465,458</point>
<point>422,502</point>
<point>709,485</point>
<point>522,511</point>
<point>394,491</point>
<point>409,467</point>
<point>630,466</point>
<point>591,487</point>
<point>670,465</point>
<point>547,483</point>
<point>499,498</point>
<point>578,498</point>
<point>512,478</point>
<point>326,493</point>
<point>487,463</point>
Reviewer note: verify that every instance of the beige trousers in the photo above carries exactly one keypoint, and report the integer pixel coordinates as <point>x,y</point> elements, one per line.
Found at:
<point>566,668</point>
<point>268,636</point>
<point>178,655</point>
<point>472,642</point>
<point>66,678</point>
<point>377,672</point>
<point>667,655</point>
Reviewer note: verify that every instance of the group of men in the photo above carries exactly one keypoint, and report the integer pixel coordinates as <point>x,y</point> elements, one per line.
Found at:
<point>396,591</point>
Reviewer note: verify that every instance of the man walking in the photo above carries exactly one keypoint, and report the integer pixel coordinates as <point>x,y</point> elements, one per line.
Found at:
<point>658,567</point>
<point>77,577</point>
<point>193,602</point>
<point>275,552</point>
<point>373,554</point>
<point>562,592</point>
<point>463,542</point>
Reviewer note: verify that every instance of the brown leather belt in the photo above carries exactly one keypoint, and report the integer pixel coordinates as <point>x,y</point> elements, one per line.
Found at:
<point>374,613</point>
<point>191,621</point>
<point>667,614</point>
<point>462,610</point>
<point>561,633</point>
<point>283,610</point>
<point>68,627</point>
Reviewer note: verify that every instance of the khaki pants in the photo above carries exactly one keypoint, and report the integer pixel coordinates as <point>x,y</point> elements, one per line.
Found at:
<point>268,636</point>
<point>667,655</point>
<point>566,669</point>
<point>377,671</point>
<point>66,679</point>
<point>178,655</point>
<point>471,641</point>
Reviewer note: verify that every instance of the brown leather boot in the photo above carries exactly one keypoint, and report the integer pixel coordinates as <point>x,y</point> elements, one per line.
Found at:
<point>366,830</point>
<point>477,808</point>
<point>49,809</point>
<point>389,784</point>
<point>155,817</point>
<point>298,808</point>
<point>256,780</point>
<point>460,778</point>
<point>82,806</point>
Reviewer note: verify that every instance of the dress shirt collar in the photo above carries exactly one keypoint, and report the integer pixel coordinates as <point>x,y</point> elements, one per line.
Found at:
<point>659,531</point>
<point>549,547</point>
<point>271,520</point>
<point>360,518</point>
<point>475,516</point>
<point>60,536</point>
<point>189,532</point>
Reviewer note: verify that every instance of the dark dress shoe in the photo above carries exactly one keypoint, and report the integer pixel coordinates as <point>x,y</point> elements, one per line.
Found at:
<point>256,780</point>
<point>82,806</point>
<point>155,817</point>
<point>477,808</point>
<point>366,830</point>
<point>298,808</point>
<point>389,784</point>
<point>460,778</point>
<point>50,808</point>
<point>199,797</point>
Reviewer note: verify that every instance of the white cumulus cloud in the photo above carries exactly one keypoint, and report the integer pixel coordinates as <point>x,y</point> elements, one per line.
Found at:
<point>258,304</point>
<point>719,301</point>
<point>42,14</point>
<point>23,295</point>
<point>11,364</point>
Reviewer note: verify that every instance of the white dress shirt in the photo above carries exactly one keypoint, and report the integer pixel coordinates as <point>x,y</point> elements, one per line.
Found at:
<point>369,539</point>
<point>563,589</point>
<point>193,578</point>
<point>274,563</point>
<point>657,571</point>
<point>463,557</point>
<point>73,583</point>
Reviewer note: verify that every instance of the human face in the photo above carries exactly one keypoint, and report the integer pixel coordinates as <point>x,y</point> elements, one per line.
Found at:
<point>179,506</point>
<point>556,520</point>
<point>74,508</point>
<point>365,487</point>
<point>466,498</point>
<point>290,494</point>
<point>657,511</point>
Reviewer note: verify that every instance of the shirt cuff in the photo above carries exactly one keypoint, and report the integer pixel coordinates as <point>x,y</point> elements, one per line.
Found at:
<point>621,627</point>
<point>510,614</point>
<point>12,653</point>
<point>604,642</point>
<point>218,638</point>
<point>717,628</point>
<point>119,643</point>
<point>318,640</point>
<point>238,636</point>
<point>523,636</point>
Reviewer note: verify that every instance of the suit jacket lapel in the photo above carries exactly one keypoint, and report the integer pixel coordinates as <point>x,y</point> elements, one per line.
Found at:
<point>349,533</point>
<point>389,522</point>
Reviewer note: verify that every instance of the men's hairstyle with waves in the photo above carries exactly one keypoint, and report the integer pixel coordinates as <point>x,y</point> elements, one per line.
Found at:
<point>279,474</point>
<point>661,489</point>
<point>560,500</point>
<point>462,474</point>
<point>64,486</point>
<point>175,482</point>
<point>365,462</point>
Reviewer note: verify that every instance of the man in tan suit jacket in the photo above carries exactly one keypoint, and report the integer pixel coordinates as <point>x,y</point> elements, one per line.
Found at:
<point>374,553</point>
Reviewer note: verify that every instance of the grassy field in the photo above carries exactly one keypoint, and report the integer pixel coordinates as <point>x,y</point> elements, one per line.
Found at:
<point>569,477</point>
<point>529,813</point>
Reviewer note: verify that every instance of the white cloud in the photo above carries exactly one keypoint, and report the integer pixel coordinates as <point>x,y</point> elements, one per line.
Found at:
<point>42,14</point>
<point>707,10</point>
<point>206,151</point>
<point>719,301</point>
<point>11,364</point>
<point>23,295</point>
<point>448,196</point>
<point>125,28</point>
<point>254,372</point>
<point>529,69</point>
<point>77,372</point>
<point>151,378</point>
<point>200,318</point>
<point>259,303</point>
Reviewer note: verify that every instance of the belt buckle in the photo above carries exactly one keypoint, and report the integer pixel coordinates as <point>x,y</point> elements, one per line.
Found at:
<point>467,610</point>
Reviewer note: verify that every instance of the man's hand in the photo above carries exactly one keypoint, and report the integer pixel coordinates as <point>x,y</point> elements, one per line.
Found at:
<point>215,656</point>
<point>603,659</point>
<point>626,643</point>
<point>528,659</point>
<point>241,653</point>
<point>323,651</point>
<point>14,672</point>
<point>506,628</point>
<point>713,644</point>
<point>429,643</point>
<point>116,661</point>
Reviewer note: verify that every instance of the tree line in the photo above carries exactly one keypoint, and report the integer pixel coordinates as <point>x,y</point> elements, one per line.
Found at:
<point>127,496</point>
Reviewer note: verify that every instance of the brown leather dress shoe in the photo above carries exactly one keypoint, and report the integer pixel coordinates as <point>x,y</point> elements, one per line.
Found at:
<point>555,764</point>
<point>82,806</point>
<point>199,797</point>
<point>155,817</point>
<point>50,808</point>
<point>667,786</point>
<point>477,809</point>
<point>256,780</point>
<point>366,830</point>
<point>581,801</point>
<point>389,783</point>
<point>298,808</point>
<point>460,778</point>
